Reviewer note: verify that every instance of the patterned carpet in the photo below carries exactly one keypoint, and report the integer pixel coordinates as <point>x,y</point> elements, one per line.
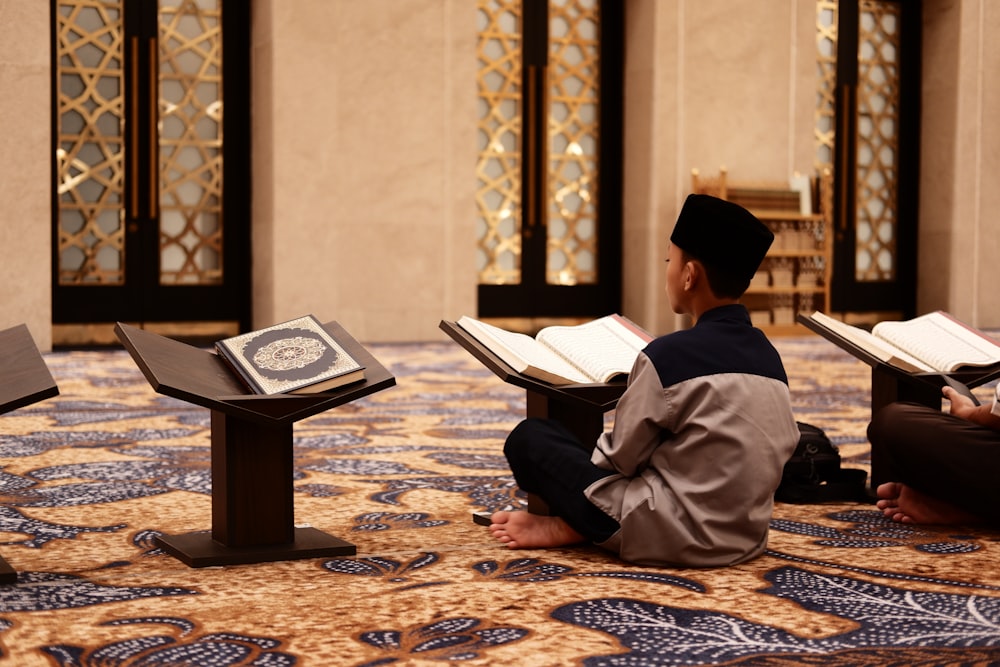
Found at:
<point>89,478</point>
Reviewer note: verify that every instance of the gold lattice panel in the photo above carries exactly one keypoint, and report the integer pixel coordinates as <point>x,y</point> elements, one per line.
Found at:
<point>190,142</point>
<point>90,154</point>
<point>877,140</point>
<point>498,195</point>
<point>574,137</point>
<point>826,85</point>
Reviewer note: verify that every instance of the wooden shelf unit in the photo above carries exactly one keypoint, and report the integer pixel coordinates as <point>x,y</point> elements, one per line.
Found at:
<point>795,276</point>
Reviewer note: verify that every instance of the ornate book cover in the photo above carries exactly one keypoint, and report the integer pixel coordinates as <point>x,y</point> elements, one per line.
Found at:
<point>297,356</point>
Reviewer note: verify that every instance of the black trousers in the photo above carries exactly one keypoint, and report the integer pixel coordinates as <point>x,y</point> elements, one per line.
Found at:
<point>943,456</point>
<point>550,462</point>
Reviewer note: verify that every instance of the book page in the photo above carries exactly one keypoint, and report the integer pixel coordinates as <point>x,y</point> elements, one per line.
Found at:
<point>520,351</point>
<point>602,348</point>
<point>939,340</point>
<point>881,350</point>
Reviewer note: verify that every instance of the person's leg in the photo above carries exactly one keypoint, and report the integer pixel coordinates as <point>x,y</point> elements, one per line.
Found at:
<point>548,461</point>
<point>524,530</point>
<point>944,468</point>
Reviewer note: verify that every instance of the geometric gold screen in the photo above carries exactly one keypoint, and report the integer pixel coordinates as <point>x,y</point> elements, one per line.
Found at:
<point>567,132</point>
<point>573,136</point>
<point>876,110</point>
<point>826,65</point>
<point>190,141</point>
<point>97,195</point>
<point>91,151</point>
<point>877,165</point>
<point>498,169</point>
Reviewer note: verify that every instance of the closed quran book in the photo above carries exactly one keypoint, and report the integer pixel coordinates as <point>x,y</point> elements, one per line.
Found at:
<point>295,357</point>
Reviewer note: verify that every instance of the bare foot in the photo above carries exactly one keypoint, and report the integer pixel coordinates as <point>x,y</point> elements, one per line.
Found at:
<point>905,504</point>
<point>522,530</point>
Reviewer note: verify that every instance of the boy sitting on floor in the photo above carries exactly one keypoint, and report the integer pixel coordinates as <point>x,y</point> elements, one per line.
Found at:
<point>687,475</point>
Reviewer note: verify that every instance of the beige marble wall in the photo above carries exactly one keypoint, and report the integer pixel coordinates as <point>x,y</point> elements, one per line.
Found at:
<point>364,158</point>
<point>709,83</point>
<point>960,161</point>
<point>25,190</point>
<point>364,147</point>
<point>345,183</point>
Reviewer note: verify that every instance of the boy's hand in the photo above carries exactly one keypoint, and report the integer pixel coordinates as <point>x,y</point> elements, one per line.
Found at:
<point>961,406</point>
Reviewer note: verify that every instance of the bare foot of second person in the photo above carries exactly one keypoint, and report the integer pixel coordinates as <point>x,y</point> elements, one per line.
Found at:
<point>905,504</point>
<point>523,530</point>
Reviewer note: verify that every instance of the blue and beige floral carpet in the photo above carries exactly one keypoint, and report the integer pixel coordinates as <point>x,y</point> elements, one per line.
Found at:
<point>90,477</point>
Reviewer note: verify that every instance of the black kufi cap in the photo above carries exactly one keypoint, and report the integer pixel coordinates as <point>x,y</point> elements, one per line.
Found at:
<point>722,234</point>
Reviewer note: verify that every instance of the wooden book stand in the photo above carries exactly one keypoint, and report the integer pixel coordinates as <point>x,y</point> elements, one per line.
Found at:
<point>252,491</point>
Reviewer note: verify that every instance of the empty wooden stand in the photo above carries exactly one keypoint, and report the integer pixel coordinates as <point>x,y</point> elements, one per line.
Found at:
<point>24,379</point>
<point>252,461</point>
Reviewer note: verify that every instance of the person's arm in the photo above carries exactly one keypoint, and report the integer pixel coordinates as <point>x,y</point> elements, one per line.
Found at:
<point>638,428</point>
<point>985,415</point>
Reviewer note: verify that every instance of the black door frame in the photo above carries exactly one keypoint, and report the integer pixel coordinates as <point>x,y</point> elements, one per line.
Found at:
<point>142,298</point>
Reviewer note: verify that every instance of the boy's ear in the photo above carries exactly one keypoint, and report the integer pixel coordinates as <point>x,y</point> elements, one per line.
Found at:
<point>692,275</point>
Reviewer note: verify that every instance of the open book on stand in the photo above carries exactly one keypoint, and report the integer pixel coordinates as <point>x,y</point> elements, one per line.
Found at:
<point>598,351</point>
<point>933,343</point>
<point>295,357</point>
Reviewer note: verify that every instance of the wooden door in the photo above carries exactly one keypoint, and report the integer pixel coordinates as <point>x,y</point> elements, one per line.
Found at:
<point>876,157</point>
<point>151,171</point>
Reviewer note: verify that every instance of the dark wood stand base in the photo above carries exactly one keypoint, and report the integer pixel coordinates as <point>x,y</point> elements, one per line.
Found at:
<point>8,575</point>
<point>198,549</point>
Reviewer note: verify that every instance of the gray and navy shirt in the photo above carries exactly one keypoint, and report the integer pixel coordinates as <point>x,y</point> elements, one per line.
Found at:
<point>700,438</point>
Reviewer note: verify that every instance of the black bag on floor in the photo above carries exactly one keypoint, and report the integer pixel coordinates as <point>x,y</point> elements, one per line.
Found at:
<point>813,473</point>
